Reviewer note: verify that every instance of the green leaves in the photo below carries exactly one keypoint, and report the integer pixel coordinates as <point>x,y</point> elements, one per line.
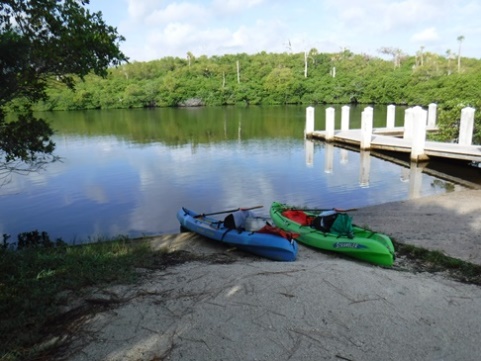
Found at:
<point>42,42</point>
<point>25,139</point>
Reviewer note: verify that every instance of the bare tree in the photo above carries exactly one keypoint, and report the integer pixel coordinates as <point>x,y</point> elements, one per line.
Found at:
<point>190,57</point>
<point>289,46</point>
<point>460,40</point>
<point>311,54</point>
<point>449,56</point>
<point>397,55</point>
<point>421,55</point>
<point>305,64</point>
<point>238,71</point>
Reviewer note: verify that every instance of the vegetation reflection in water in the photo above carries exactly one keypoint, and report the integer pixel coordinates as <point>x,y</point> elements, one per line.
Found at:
<point>129,171</point>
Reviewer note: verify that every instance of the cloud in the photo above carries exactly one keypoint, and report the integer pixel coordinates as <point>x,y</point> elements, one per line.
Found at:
<point>138,9</point>
<point>235,5</point>
<point>426,36</point>
<point>179,38</point>
<point>384,15</point>
<point>159,28</point>
<point>178,12</point>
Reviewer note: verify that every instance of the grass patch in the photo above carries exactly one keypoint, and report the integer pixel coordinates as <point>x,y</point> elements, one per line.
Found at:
<point>425,260</point>
<point>32,278</point>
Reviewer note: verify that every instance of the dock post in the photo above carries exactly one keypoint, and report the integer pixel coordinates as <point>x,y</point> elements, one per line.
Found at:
<point>466,126</point>
<point>366,128</point>
<point>419,135</point>
<point>391,116</point>
<point>432,115</point>
<point>345,117</point>
<point>329,124</point>
<point>408,123</point>
<point>309,121</point>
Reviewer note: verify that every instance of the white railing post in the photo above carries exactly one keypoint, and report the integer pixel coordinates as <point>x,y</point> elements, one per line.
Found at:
<point>345,117</point>
<point>366,128</point>
<point>466,126</point>
<point>391,116</point>
<point>309,121</point>
<point>330,123</point>
<point>432,115</point>
<point>408,123</point>
<point>419,135</point>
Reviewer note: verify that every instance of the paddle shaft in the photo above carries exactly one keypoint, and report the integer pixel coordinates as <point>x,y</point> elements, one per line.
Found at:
<point>331,209</point>
<point>229,211</point>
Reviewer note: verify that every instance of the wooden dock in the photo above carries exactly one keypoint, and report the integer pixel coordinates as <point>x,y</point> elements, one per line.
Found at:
<point>385,139</point>
<point>411,138</point>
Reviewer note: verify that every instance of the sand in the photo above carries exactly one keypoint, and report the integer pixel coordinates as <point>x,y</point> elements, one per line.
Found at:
<point>233,306</point>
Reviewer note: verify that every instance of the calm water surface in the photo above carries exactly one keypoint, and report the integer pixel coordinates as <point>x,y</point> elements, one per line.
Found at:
<point>129,171</point>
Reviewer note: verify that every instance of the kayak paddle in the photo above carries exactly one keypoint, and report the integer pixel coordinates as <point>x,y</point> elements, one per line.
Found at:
<point>229,211</point>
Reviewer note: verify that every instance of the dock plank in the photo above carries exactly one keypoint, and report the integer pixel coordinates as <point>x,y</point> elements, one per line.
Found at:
<point>382,141</point>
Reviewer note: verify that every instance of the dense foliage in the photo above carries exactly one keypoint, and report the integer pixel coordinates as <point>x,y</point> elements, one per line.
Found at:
<point>43,43</point>
<point>268,78</point>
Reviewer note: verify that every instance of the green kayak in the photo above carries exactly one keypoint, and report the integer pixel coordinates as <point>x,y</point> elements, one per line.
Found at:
<point>359,243</point>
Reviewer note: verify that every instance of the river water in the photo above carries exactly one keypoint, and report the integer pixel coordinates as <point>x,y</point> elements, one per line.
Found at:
<point>127,172</point>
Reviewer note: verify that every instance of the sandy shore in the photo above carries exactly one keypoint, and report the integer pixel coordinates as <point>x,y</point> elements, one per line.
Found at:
<point>232,306</point>
<point>450,223</point>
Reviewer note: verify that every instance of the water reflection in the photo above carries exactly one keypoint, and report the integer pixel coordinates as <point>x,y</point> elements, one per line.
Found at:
<point>309,147</point>
<point>365,168</point>
<point>128,172</point>
<point>329,155</point>
<point>411,173</point>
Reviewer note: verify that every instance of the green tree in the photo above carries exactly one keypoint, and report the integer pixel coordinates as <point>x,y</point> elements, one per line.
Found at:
<point>41,43</point>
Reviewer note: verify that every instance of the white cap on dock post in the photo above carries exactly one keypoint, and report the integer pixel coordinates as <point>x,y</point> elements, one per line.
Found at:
<point>309,121</point>
<point>408,123</point>
<point>366,128</point>
<point>432,115</point>
<point>391,116</point>
<point>466,126</point>
<point>419,134</point>
<point>345,117</point>
<point>330,123</point>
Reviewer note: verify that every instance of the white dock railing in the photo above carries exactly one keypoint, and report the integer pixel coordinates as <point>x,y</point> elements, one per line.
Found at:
<point>417,121</point>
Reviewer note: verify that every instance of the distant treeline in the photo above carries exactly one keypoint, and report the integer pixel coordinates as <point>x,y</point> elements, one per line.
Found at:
<point>270,78</point>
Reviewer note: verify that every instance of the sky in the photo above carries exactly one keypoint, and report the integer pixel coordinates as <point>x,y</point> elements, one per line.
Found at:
<point>159,28</point>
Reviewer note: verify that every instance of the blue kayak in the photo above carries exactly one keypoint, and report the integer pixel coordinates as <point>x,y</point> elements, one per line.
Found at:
<point>269,245</point>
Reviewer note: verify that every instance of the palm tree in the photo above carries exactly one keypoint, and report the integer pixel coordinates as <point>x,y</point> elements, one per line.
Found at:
<point>190,57</point>
<point>460,40</point>
<point>311,54</point>
<point>449,56</point>
<point>421,55</point>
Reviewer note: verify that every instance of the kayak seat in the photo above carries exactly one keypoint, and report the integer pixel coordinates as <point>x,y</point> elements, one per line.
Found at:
<point>298,216</point>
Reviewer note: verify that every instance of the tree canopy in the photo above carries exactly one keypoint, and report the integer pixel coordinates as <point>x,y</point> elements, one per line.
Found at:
<point>43,43</point>
<point>281,78</point>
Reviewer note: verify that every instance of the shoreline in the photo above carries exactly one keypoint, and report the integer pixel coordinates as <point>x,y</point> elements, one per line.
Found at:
<point>229,305</point>
<point>449,223</point>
